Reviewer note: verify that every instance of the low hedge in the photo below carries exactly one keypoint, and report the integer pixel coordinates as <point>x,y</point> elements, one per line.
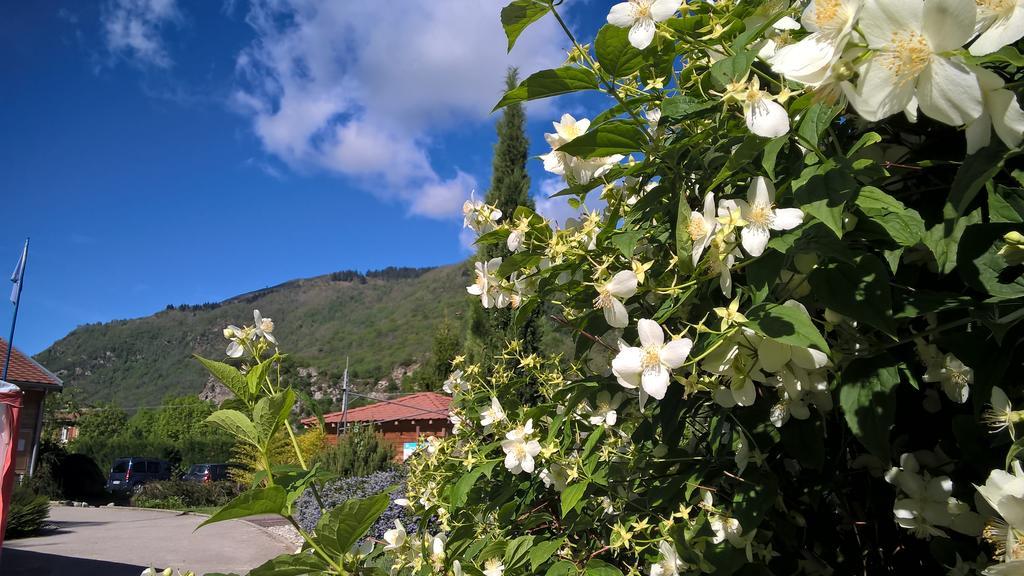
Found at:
<point>28,512</point>
<point>181,494</point>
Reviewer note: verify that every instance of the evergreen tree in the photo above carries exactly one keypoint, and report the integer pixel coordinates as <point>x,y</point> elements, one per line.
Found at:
<point>510,188</point>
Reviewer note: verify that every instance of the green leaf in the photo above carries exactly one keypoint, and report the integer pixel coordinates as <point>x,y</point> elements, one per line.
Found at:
<point>547,83</point>
<point>542,551</point>
<point>816,120</point>
<point>516,262</point>
<point>572,495</point>
<point>271,411</point>
<point>823,191</point>
<point>1005,204</point>
<point>678,108</point>
<point>626,242</point>
<point>612,137</point>
<point>867,397</point>
<point>732,69</point>
<point>345,524</point>
<point>684,244</point>
<point>561,568</point>
<point>904,226</point>
<point>786,324</point>
<point>976,170</point>
<point>255,376</point>
<point>1005,55</point>
<point>517,552</point>
<point>981,266</point>
<point>614,52</point>
<point>269,500</point>
<point>460,492</point>
<point>228,376</point>
<point>236,424</point>
<point>518,15</point>
<point>859,290</point>
<point>291,565</point>
<point>600,568</point>
<point>943,239</point>
<point>741,157</point>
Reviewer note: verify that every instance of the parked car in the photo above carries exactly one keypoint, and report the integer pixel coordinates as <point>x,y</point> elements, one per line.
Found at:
<point>128,473</point>
<point>207,473</point>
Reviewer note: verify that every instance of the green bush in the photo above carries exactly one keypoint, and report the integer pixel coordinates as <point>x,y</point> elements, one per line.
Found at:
<point>359,452</point>
<point>63,476</point>
<point>180,494</point>
<point>192,450</point>
<point>28,512</point>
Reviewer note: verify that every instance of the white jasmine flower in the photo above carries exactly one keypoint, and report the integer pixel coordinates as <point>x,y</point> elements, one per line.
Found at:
<point>649,366</point>
<point>604,412</point>
<point>455,383</point>
<point>726,529</point>
<point>520,449</point>
<point>554,476</point>
<point>669,564</point>
<point>952,375</point>
<point>487,286</point>
<point>777,36</point>
<point>737,362</point>
<point>761,216</point>
<point>764,116</point>
<point>910,65</point>
<point>493,414</point>
<point>236,335</point>
<point>701,227</point>
<point>494,567</point>
<point>1000,22</point>
<point>395,538</point>
<point>518,235</point>
<point>264,327</point>
<point>1005,493</point>
<point>456,421</point>
<point>575,170</point>
<point>640,16</point>
<point>622,285</point>
<point>478,216</point>
<point>456,568</point>
<point>809,61</point>
<point>436,549</point>
<point>1001,415</point>
<point>1001,113</point>
<point>721,259</point>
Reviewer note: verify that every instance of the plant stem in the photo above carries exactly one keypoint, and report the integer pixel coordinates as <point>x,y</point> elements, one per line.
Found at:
<point>312,544</point>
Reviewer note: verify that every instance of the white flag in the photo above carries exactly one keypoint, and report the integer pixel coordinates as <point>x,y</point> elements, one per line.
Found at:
<point>18,275</point>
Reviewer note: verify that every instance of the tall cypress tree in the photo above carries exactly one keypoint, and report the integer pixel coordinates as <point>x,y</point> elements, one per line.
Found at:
<point>510,188</point>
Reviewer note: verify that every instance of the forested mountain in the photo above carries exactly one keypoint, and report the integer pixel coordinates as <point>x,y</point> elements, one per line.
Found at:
<point>382,321</point>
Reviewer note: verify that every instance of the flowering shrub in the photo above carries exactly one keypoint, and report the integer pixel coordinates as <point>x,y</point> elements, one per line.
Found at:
<point>795,290</point>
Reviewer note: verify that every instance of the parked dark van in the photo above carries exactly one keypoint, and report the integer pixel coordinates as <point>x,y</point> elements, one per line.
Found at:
<point>127,473</point>
<point>206,473</point>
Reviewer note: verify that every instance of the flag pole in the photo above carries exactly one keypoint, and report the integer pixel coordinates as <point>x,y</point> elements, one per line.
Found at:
<point>17,304</point>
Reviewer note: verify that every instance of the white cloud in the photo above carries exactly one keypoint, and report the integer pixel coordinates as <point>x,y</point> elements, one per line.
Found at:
<point>558,209</point>
<point>131,29</point>
<point>362,89</point>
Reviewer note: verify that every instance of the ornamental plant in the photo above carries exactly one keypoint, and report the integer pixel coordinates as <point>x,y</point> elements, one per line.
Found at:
<point>795,290</point>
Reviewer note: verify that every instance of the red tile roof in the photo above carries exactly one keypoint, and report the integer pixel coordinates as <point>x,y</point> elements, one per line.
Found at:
<point>25,370</point>
<point>420,406</point>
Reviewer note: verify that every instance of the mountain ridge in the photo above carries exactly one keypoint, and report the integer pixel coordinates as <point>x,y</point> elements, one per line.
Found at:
<point>380,320</point>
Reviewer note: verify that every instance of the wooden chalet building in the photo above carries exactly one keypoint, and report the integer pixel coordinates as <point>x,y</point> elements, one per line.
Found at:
<point>35,382</point>
<point>402,421</point>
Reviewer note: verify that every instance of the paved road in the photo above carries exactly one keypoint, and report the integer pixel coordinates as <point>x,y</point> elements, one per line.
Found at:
<point>122,542</point>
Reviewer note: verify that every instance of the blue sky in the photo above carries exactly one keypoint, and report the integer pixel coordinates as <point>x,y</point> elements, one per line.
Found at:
<point>173,151</point>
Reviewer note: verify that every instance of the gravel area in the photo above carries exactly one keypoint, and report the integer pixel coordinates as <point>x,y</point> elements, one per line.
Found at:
<point>287,532</point>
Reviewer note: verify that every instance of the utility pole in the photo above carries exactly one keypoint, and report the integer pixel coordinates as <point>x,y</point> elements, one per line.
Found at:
<point>344,400</point>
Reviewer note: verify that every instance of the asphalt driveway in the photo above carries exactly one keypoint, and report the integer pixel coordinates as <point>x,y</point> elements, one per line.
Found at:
<point>122,542</point>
